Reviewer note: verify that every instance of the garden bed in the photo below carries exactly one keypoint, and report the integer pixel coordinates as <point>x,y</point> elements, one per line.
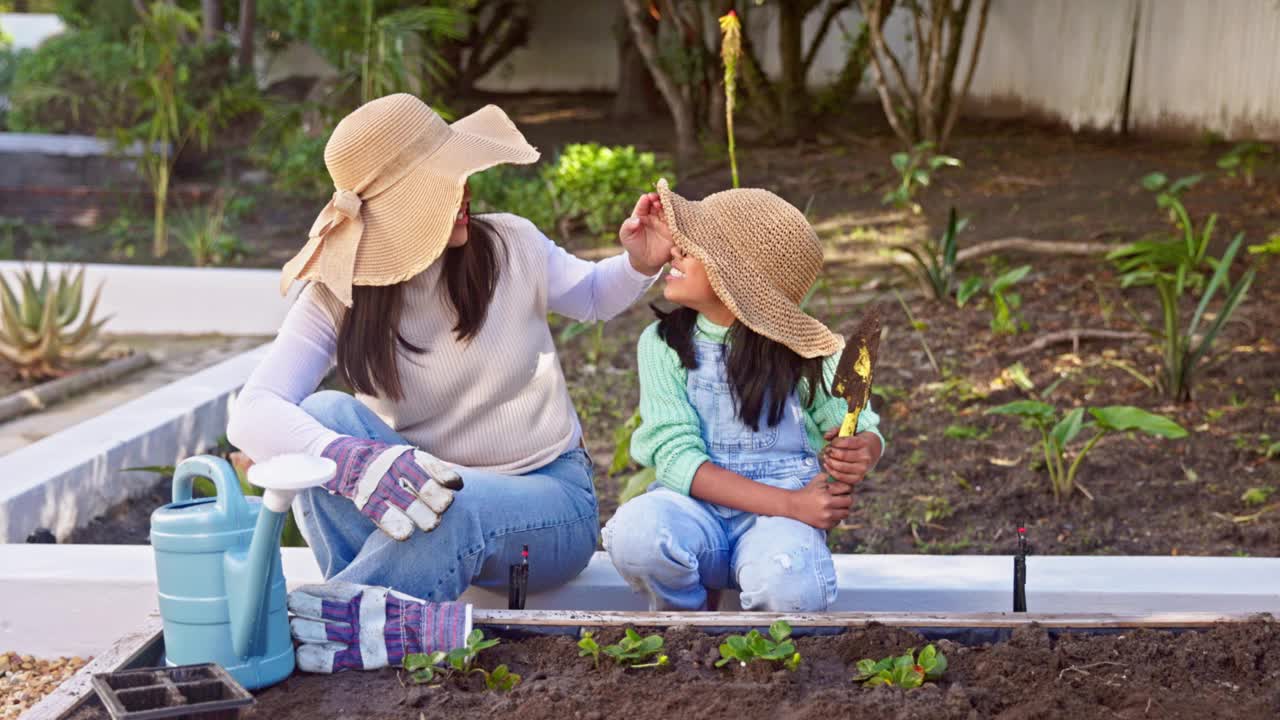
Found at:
<point>1032,671</point>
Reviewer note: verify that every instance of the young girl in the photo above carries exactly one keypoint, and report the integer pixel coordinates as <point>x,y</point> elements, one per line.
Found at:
<point>735,404</point>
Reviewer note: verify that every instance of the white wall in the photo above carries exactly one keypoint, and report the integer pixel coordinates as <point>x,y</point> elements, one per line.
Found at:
<point>1209,66</point>
<point>29,29</point>
<point>1198,64</point>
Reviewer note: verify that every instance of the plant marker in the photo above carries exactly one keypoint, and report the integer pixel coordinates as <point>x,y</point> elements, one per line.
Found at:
<point>518,584</point>
<point>1020,573</point>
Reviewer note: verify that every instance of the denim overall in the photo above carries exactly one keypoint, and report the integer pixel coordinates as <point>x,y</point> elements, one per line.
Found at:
<point>674,547</point>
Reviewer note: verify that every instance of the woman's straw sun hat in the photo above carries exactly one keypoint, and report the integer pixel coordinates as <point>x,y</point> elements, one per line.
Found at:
<point>761,256</point>
<point>399,171</point>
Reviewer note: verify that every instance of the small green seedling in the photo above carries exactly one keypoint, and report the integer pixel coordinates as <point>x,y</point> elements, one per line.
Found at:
<point>1004,304</point>
<point>754,647</point>
<point>906,671</point>
<point>425,668</point>
<point>1243,160</point>
<point>631,650</point>
<point>1257,495</point>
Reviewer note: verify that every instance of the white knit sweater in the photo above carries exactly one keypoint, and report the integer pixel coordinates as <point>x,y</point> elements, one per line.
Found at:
<point>498,402</point>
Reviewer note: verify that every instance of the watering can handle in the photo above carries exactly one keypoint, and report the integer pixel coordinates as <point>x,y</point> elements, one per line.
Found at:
<point>230,499</point>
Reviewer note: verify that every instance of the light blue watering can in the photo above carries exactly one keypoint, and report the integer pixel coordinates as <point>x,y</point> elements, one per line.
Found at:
<point>218,574</point>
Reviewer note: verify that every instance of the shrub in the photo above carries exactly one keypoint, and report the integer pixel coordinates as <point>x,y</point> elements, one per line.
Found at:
<point>588,186</point>
<point>76,82</point>
<point>597,186</point>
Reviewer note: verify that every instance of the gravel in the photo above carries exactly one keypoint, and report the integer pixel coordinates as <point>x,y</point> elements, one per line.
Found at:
<point>24,680</point>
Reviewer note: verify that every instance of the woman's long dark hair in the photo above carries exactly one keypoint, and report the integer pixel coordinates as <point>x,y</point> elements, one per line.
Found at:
<point>760,370</point>
<point>369,331</point>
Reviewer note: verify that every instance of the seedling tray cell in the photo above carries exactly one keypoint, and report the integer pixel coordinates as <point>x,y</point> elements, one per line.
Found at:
<point>188,692</point>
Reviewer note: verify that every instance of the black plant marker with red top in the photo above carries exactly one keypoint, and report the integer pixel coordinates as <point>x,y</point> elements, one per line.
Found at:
<point>518,584</point>
<point>1020,573</point>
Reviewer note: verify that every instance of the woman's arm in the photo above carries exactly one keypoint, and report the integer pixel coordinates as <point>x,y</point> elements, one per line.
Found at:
<point>591,291</point>
<point>265,419</point>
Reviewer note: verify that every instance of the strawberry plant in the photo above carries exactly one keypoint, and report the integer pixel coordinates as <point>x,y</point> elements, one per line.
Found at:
<point>426,667</point>
<point>754,647</point>
<point>1056,436</point>
<point>906,671</point>
<point>631,650</point>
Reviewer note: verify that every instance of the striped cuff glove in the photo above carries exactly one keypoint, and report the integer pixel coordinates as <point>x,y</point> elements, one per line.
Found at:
<point>343,626</point>
<point>397,486</point>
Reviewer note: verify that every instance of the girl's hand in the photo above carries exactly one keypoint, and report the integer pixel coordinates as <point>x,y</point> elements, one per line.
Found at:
<point>848,459</point>
<point>821,503</point>
<point>646,236</point>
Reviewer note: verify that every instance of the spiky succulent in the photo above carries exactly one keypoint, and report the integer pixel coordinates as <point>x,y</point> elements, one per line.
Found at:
<point>36,333</point>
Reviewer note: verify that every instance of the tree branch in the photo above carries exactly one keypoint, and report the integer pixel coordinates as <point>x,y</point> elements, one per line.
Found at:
<point>676,100</point>
<point>872,10</point>
<point>1074,336</point>
<point>1032,246</point>
<point>828,17</point>
<point>954,111</point>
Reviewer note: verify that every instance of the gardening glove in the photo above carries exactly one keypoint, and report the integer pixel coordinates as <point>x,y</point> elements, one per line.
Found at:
<point>344,626</point>
<point>396,486</point>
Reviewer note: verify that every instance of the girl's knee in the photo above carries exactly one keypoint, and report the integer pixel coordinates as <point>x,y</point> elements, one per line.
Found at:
<point>639,542</point>
<point>785,582</point>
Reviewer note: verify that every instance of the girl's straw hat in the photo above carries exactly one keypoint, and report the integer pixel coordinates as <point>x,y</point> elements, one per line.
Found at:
<point>761,256</point>
<point>399,171</point>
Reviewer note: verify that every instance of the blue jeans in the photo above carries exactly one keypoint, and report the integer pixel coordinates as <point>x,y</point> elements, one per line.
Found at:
<point>674,547</point>
<point>552,510</point>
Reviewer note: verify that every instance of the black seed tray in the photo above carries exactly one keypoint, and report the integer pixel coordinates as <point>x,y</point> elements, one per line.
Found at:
<point>186,692</point>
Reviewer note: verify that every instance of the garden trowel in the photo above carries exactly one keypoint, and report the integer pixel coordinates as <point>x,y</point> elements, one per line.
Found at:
<point>852,380</point>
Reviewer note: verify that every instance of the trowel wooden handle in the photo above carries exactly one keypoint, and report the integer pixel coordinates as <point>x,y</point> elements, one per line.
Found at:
<point>850,423</point>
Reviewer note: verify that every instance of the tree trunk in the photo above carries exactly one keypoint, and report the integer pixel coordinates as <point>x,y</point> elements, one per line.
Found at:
<point>211,14</point>
<point>792,96</point>
<point>637,96</point>
<point>248,12</point>
<point>21,6</point>
<point>680,106</point>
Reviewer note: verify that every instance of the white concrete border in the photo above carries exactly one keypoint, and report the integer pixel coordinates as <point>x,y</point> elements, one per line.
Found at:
<point>163,300</point>
<point>100,592</point>
<point>64,480</point>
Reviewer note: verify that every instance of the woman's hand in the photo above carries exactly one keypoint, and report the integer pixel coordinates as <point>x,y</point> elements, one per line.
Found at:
<point>646,237</point>
<point>848,459</point>
<point>821,503</point>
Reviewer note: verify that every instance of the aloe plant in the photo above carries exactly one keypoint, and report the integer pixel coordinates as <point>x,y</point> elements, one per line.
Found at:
<point>37,335</point>
<point>1056,434</point>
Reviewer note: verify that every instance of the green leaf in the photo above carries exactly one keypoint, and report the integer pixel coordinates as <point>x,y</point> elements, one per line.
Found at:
<point>637,484</point>
<point>867,668</point>
<point>1126,417</point>
<point>1008,279</point>
<point>1154,181</point>
<point>1067,428</point>
<point>780,631</point>
<point>1033,409</point>
<point>900,161</point>
<point>967,290</point>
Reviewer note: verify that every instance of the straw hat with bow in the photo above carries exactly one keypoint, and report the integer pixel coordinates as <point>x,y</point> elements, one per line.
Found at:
<point>399,171</point>
<point>761,256</point>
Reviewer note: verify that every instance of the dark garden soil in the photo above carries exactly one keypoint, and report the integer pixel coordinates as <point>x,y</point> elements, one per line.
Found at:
<point>126,523</point>
<point>1223,672</point>
<point>954,480</point>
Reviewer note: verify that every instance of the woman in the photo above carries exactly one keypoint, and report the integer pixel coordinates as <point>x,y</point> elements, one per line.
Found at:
<point>461,444</point>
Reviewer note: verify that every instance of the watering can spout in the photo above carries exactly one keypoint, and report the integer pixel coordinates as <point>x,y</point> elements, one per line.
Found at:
<point>248,572</point>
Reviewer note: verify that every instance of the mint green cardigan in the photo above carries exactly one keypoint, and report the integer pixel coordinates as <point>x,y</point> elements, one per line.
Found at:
<point>669,438</point>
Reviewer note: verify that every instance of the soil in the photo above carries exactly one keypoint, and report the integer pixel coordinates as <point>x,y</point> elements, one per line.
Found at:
<point>954,480</point>
<point>126,523</point>
<point>1230,670</point>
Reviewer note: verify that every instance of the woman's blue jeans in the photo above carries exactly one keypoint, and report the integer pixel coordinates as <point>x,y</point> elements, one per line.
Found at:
<point>552,510</point>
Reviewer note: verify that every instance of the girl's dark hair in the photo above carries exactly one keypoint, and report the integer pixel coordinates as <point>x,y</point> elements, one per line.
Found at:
<point>761,371</point>
<point>369,331</point>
